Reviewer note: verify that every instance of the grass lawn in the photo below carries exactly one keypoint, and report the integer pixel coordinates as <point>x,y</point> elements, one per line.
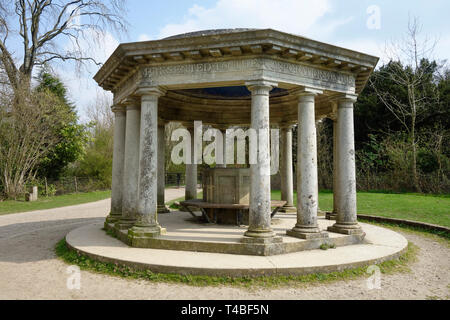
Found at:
<point>423,208</point>
<point>43,203</point>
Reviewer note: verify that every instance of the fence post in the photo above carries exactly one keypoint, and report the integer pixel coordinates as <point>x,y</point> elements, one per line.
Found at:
<point>46,187</point>
<point>76,184</point>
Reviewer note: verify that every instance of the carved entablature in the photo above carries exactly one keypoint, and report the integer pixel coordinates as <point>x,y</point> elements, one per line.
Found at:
<point>235,72</point>
<point>127,87</point>
<point>303,75</point>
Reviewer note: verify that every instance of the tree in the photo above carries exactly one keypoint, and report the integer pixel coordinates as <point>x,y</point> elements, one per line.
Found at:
<point>72,136</point>
<point>43,25</point>
<point>96,161</point>
<point>28,130</point>
<point>413,80</point>
<point>31,119</point>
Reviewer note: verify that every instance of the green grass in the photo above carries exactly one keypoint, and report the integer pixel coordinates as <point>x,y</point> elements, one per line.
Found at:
<point>11,206</point>
<point>423,208</point>
<point>438,236</point>
<point>400,264</point>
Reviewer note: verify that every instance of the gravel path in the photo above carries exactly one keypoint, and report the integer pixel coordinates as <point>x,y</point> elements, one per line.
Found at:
<point>30,270</point>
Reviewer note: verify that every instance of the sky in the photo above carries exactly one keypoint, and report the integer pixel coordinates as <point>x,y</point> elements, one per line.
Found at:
<point>361,25</point>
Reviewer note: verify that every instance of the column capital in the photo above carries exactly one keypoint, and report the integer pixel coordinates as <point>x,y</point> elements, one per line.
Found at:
<point>150,91</point>
<point>306,91</point>
<point>345,98</point>
<point>255,86</point>
<point>118,109</point>
<point>131,104</point>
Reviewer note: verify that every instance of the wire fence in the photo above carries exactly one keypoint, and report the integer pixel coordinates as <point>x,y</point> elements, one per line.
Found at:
<point>68,185</point>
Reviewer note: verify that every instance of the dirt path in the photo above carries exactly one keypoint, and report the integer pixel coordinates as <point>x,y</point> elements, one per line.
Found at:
<point>30,270</point>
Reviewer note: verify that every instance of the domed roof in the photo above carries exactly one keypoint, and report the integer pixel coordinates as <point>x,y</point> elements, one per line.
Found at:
<point>207,33</point>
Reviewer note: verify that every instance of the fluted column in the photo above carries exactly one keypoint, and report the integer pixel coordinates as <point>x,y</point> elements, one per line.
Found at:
<point>347,222</point>
<point>131,166</point>
<point>117,168</point>
<point>161,169</point>
<point>287,179</point>
<point>146,225</point>
<point>191,172</point>
<point>307,179</point>
<point>259,212</point>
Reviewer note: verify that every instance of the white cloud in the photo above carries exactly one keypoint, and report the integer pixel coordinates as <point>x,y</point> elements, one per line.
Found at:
<point>144,37</point>
<point>294,16</point>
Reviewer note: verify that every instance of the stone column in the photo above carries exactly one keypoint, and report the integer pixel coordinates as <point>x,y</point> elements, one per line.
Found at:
<point>287,180</point>
<point>191,172</point>
<point>307,180</point>
<point>146,225</point>
<point>259,212</point>
<point>282,161</point>
<point>224,148</point>
<point>130,166</point>
<point>347,222</point>
<point>117,169</point>
<point>161,169</point>
<point>333,215</point>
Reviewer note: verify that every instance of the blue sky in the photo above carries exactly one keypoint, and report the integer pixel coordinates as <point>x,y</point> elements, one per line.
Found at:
<point>334,21</point>
<point>339,22</point>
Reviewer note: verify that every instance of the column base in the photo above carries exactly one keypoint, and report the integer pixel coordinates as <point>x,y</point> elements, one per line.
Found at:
<point>288,209</point>
<point>307,233</point>
<point>259,234</point>
<point>252,240</point>
<point>162,209</point>
<point>331,216</point>
<point>145,232</point>
<point>123,224</point>
<point>348,229</point>
<point>112,219</point>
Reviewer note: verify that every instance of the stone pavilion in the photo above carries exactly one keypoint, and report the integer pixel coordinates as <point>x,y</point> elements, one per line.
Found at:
<point>236,77</point>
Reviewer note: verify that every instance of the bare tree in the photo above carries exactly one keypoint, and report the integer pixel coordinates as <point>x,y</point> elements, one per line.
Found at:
<point>406,70</point>
<point>27,133</point>
<point>43,25</point>
<point>99,112</point>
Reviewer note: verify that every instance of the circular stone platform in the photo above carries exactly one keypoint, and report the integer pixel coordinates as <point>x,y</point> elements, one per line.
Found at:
<point>380,244</point>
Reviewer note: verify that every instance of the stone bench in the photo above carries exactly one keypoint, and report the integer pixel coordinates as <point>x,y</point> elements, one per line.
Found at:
<point>239,208</point>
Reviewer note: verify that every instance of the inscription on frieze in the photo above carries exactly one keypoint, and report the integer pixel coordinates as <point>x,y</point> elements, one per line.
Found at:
<point>308,72</point>
<point>154,75</point>
<point>151,73</point>
<point>203,67</point>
